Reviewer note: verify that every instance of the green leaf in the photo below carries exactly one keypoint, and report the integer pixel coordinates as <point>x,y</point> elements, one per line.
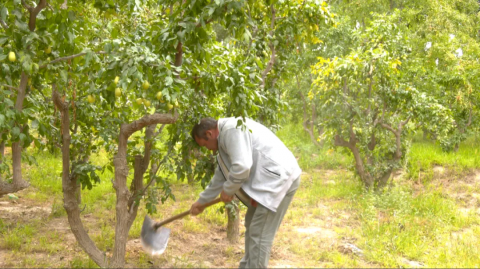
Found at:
<point>34,124</point>
<point>168,81</point>
<point>15,131</point>
<point>4,14</point>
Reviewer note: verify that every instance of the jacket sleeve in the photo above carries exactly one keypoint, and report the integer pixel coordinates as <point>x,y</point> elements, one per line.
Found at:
<point>238,146</point>
<point>214,188</point>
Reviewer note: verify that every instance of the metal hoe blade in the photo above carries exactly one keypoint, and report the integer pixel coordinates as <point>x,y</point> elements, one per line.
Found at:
<point>154,241</point>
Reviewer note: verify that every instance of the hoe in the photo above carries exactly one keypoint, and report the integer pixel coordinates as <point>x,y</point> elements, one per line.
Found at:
<point>154,236</point>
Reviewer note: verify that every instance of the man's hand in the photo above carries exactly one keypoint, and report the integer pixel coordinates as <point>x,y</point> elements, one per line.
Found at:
<point>225,197</point>
<point>196,209</point>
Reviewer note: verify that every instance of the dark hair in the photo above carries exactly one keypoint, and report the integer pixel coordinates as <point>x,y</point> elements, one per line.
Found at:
<point>199,130</point>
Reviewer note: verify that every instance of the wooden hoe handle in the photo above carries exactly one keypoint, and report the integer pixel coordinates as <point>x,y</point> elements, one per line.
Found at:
<point>181,215</point>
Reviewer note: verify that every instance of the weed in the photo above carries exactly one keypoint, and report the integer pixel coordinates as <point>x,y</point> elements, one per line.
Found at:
<point>82,262</point>
<point>19,237</point>
<point>57,209</point>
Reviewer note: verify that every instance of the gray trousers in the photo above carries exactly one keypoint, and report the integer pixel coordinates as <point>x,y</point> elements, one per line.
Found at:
<point>261,226</point>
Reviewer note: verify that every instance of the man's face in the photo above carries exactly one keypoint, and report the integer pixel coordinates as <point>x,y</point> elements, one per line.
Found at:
<point>210,143</point>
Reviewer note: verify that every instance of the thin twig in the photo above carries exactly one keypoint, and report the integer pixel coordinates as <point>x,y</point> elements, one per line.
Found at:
<point>8,86</point>
<point>29,8</point>
<point>4,25</point>
<point>66,58</point>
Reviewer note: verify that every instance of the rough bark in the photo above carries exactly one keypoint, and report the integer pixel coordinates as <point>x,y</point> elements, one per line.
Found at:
<point>366,178</point>
<point>383,180</point>
<point>271,62</point>
<point>233,226</point>
<point>307,123</point>
<point>124,217</point>
<point>18,182</point>
<point>2,151</point>
<point>462,130</point>
<point>70,187</point>
<point>34,13</point>
<point>179,56</point>
<point>2,155</point>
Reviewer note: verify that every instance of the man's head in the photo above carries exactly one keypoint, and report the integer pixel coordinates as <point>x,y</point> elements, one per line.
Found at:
<point>205,133</point>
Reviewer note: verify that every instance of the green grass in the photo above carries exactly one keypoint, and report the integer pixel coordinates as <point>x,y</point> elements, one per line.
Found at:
<point>425,225</point>
<point>310,156</point>
<point>425,154</point>
<point>396,224</point>
<point>18,237</point>
<point>82,262</point>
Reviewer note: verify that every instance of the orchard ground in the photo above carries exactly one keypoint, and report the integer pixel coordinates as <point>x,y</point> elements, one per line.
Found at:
<point>429,216</point>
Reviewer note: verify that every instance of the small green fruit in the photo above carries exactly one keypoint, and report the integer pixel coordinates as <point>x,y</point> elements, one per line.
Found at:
<point>170,106</point>
<point>116,80</point>
<point>91,98</point>
<point>146,103</point>
<point>12,57</point>
<point>139,101</point>
<point>145,85</point>
<point>159,95</point>
<point>48,50</point>
<point>118,92</point>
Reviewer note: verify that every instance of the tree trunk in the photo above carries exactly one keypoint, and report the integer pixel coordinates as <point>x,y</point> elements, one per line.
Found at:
<point>125,214</point>
<point>191,179</point>
<point>425,133</point>
<point>457,146</point>
<point>122,214</point>
<point>366,178</point>
<point>16,146</point>
<point>383,180</point>
<point>233,226</point>
<point>70,188</point>
<point>17,183</point>
<point>78,192</point>
<point>307,123</point>
<point>2,154</point>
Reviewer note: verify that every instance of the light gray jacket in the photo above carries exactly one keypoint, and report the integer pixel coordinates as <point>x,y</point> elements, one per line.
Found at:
<point>257,161</point>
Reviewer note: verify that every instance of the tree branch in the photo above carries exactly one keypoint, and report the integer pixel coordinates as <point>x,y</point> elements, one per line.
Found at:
<point>34,13</point>
<point>403,123</point>
<point>159,130</point>
<point>66,58</point>
<point>469,119</point>
<point>339,141</point>
<point>44,97</point>
<point>388,127</point>
<point>152,177</point>
<point>369,94</point>
<point>272,47</point>
<point>8,86</point>
<point>29,8</point>
<point>4,25</point>
<point>129,129</point>
<point>179,56</point>
<point>200,23</point>
<point>64,5</point>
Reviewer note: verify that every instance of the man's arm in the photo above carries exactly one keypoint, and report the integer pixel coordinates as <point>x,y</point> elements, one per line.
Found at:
<point>212,191</point>
<point>238,146</point>
<point>214,188</point>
